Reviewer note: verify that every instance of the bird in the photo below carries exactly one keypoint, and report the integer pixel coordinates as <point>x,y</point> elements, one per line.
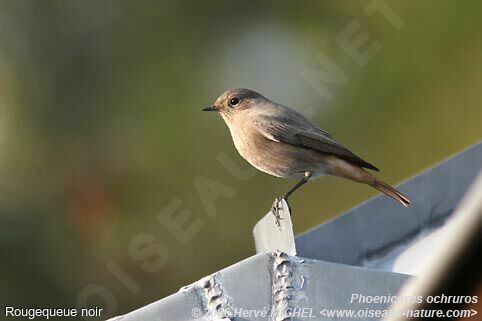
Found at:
<point>279,141</point>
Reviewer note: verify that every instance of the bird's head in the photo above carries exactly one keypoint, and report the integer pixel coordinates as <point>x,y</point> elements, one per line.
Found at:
<point>234,101</point>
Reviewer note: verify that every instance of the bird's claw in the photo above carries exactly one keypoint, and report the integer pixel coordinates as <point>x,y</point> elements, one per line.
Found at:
<point>275,209</point>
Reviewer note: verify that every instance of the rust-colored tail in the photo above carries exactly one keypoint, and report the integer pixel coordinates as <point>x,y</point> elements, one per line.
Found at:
<point>390,191</point>
<point>340,167</point>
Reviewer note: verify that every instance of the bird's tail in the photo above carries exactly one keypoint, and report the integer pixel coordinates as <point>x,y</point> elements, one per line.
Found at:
<point>390,191</point>
<point>340,167</point>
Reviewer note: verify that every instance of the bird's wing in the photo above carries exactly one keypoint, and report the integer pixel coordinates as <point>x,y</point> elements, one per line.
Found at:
<point>308,136</point>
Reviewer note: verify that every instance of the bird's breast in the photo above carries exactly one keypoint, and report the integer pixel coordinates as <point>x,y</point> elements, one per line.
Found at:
<point>250,143</point>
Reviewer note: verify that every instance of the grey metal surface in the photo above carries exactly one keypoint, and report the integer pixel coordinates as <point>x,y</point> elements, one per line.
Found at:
<point>379,226</point>
<point>451,264</point>
<point>275,283</point>
<point>269,237</point>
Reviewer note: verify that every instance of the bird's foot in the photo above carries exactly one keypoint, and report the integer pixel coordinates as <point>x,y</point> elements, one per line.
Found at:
<point>276,209</point>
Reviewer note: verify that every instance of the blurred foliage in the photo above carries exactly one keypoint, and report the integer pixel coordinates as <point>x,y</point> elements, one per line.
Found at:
<point>100,125</point>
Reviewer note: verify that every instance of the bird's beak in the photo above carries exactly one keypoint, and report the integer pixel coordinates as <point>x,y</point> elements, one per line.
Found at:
<point>210,108</point>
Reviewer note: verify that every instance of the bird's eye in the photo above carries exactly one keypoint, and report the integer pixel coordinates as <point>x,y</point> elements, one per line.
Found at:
<point>234,101</point>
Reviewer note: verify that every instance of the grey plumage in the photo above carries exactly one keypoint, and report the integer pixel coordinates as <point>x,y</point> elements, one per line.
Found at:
<point>292,128</point>
<point>279,141</point>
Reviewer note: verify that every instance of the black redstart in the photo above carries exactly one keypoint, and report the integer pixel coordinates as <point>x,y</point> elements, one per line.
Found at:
<point>279,141</point>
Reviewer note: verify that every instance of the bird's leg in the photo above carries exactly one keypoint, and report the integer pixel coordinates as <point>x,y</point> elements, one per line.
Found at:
<point>298,185</point>
<point>276,208</point>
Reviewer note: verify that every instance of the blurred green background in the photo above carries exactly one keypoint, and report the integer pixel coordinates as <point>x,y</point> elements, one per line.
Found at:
<point>101,128</point>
